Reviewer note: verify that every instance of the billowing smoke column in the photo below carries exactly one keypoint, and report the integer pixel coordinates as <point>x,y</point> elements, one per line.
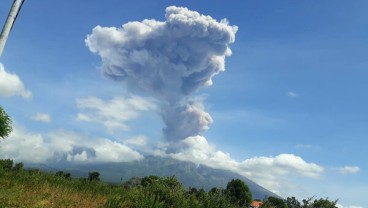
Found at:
<point>167,60</point>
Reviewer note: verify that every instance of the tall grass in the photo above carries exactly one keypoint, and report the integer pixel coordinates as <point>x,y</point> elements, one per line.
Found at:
<point>35,189</point>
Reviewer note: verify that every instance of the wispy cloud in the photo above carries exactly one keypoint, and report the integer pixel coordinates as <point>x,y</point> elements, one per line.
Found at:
<point>292,94</point>
<point>137,141</point>
<point>11,85</point>
<point>42,117</point>
<point>303,146</point>
<point>349,170</point>
<point>113,114</point>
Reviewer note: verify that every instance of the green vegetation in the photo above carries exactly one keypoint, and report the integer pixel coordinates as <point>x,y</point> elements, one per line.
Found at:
<point>33,188</point>
<point>292,202</point>
<point>238,193</point>
<point>5,124</point>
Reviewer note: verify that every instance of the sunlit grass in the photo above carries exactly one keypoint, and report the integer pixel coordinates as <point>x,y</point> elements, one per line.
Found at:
<point>25,189</point>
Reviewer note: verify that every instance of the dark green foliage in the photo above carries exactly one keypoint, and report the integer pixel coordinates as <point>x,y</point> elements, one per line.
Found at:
<point>63,174</point>
<point>149,180</point>
<point>167,189</point>
<point>133,182</point>
<point>34,171</point>
<point>5,124</point>
<point>6,164</point>
<point>325,203</point>
<point>216,190</point>
<point>292,202</point>
<point>18,167</point>
<point>238,193</point>
<point>93,176</point>
<point>274,203</point>
<point>319,203</point>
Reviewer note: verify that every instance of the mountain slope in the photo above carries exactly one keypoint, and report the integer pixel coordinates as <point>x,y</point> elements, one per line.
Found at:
<point>190,174</point>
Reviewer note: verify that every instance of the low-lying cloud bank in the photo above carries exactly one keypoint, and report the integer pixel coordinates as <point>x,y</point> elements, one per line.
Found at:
<point>269,172</point>
<point>64,146</point>
<point>67,146</point>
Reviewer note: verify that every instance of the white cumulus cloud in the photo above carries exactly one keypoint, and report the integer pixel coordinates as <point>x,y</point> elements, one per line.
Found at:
<point>269,172</point>
<point>11,85</point>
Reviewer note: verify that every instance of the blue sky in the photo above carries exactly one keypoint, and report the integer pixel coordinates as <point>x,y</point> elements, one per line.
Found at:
<point>288,112</point>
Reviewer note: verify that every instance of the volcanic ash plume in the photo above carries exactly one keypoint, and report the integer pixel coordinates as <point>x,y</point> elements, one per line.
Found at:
<point>167,60</point>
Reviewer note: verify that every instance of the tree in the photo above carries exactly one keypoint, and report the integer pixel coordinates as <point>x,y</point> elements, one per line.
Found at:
<point>274,202</point>
<point>318,203</point>
<point>6,164</point>
<point>292,202</point>
<point>132,182</point>
<point>149,180</point>
<point>167,189</point>
<point>18,167</point>
<point>94,176</point>
<point>5,124</point>
<point>63,174</point>
<point>325,203</point>
<point>238,193</point>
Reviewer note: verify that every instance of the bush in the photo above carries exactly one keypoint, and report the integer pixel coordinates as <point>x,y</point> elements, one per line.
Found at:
<point>94,176</point>
<point>238,193</point>
<point>18,167</point>
<point>6,164</point>
<point>62,174</point>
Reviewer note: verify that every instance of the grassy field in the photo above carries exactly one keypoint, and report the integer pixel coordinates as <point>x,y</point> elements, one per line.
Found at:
<point>37,189</point>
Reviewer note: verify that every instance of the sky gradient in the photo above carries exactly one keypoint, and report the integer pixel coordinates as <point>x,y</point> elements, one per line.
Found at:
<point>286,108</point>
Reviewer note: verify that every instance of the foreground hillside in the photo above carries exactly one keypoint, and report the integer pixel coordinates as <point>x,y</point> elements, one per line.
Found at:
<point>37,189</point>
<point>33,188</point>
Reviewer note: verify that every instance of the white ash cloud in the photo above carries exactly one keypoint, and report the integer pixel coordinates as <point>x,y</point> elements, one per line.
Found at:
<point>168,60</point>
<point>185,120</point>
